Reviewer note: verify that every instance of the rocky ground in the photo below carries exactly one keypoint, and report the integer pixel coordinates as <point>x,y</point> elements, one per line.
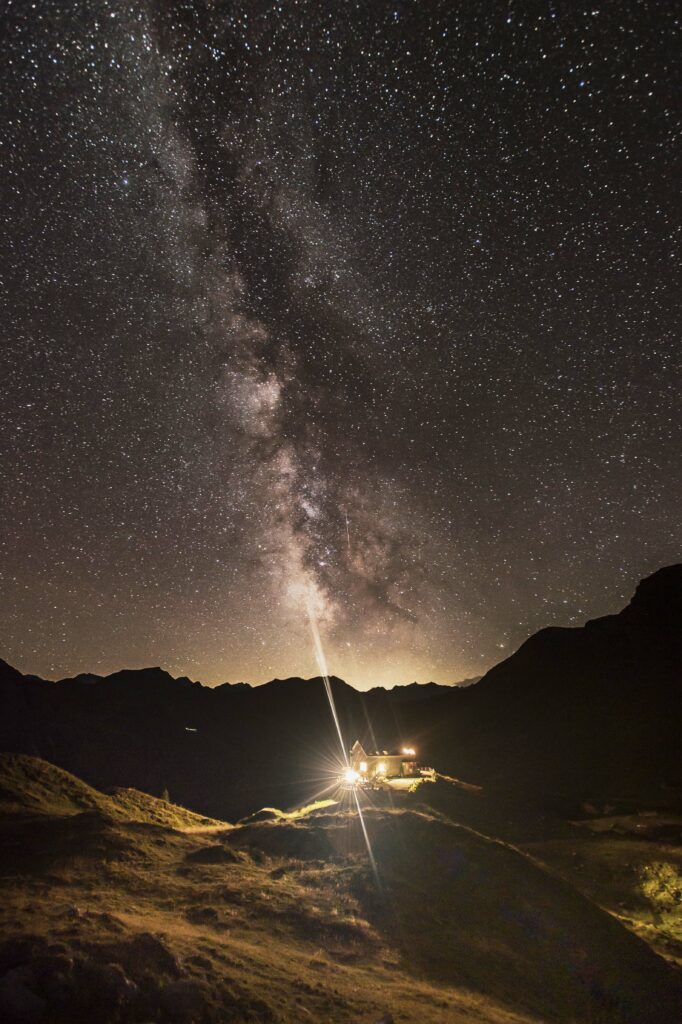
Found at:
<point>122,908</point>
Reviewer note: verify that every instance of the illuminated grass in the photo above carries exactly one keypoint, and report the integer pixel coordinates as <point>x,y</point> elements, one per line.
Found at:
<point>29,785</point>
<point>639,882</point>
<point>281,919</point>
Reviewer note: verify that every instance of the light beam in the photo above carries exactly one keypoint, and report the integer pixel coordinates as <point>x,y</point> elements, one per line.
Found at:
<point>324,672</point>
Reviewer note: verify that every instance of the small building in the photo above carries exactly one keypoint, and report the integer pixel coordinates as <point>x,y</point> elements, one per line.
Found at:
<point>382,764</point>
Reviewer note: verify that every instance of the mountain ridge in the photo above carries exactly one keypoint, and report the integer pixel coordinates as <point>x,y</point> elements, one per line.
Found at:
<point>575,714</point>
<point>152,673</point>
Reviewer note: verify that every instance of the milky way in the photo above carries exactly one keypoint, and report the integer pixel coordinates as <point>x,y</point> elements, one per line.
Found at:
<point>367,306</point>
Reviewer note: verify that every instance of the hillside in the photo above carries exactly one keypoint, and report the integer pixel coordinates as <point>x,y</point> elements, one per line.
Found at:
<point>575,715</point>
<point>283,920</point>
<point>31,786</point>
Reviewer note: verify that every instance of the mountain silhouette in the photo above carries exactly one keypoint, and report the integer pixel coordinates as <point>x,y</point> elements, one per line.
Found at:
<point>591,711</point>
<point>586,713</point>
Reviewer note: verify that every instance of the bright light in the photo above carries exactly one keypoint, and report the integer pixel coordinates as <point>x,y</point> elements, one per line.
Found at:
<point>409,750</point>
<point>381,768</point>
<point>350,776</point>
<point>363,766</point>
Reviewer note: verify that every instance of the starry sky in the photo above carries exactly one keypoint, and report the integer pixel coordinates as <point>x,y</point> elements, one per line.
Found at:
<point>353,309</point>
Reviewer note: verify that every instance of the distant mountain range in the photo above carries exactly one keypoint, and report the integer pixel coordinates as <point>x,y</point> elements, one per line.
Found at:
<point>587,713</point>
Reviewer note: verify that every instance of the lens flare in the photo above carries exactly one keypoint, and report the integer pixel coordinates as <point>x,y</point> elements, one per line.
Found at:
<point>350,776</point>
<point>375,870</point>
<point>324,672</point>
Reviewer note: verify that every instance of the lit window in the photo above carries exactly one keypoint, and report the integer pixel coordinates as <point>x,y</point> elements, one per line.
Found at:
<point>381,768</point>
<point>363,766</point>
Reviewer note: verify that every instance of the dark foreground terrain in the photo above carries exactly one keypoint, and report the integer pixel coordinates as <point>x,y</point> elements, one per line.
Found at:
<point>126,908</point>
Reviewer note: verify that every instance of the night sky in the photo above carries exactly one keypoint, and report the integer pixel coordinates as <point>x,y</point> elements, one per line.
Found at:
<point>363,307</point>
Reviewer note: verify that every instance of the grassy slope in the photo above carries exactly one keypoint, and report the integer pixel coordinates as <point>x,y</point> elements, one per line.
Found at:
<point>250,937</point>
<point>281,919</point>
<point>631,865</point>
<point>28,784</point>
<point>635,879</point>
